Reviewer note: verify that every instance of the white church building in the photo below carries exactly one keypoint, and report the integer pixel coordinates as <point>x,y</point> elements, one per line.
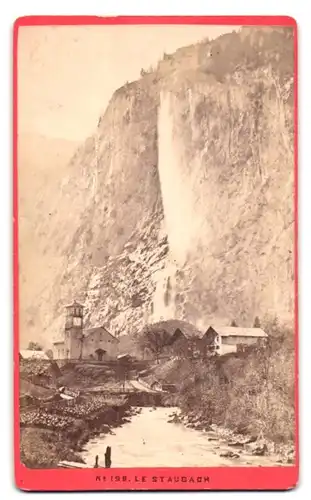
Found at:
<point>95,343</point>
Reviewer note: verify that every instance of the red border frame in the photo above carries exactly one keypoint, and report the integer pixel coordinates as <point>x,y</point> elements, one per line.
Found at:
<point>220,478</point>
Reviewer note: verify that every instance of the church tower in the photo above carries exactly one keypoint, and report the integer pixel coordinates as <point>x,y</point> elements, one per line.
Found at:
<point>74,331</point>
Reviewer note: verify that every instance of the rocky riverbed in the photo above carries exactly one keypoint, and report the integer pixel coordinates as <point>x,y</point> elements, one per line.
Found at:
<point>139,436</point>
<point>162,437</point>
<point>237,444</point>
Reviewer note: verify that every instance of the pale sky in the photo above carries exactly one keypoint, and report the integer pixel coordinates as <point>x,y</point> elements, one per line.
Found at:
<point>67,74</point>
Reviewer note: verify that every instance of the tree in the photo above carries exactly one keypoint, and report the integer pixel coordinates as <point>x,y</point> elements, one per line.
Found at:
<point>153,339</point>
<point>233,323</point>
<point>257,322</point>
<point>49,353</point>
<point>34,346</point>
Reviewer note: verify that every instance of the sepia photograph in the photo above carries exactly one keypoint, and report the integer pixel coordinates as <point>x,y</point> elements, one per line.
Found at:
<point>156,246</point>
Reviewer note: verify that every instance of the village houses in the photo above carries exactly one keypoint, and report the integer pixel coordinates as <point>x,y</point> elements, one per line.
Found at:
<point>218,340</point>
<point>228,339</point>
<point>32,355</point>
<point>99,344</point>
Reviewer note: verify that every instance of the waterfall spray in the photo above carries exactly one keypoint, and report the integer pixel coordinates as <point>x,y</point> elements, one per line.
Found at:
<point>164,296</point>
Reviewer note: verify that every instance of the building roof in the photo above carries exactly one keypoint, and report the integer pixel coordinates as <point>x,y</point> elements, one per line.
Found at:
<point>172,325</point>
<point>125,355</point>
<point>233,331</point>
<point>188,334</point>
<point>29,354</point>
<point>65,396</point>
<point>101,329</point>
<point>155,382</point>
<point>74,304</point>
<point>58,342</point>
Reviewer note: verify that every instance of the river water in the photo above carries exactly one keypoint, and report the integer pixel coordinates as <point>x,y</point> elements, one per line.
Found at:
<point>148,440</point>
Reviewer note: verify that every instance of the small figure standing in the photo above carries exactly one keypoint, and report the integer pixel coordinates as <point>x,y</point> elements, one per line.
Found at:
<point>96,462</point>
<point>108,457</point>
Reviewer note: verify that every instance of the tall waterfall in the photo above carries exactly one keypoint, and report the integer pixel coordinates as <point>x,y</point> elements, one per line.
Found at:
<point>177,186</point>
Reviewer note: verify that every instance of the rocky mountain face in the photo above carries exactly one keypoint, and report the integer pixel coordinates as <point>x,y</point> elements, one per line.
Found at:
<point>181,203</point>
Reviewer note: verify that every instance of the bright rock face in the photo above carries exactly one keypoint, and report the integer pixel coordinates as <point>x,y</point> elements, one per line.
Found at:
<point>181,204</point>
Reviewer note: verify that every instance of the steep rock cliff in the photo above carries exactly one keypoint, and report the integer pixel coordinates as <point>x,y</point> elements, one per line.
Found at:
<point>181,204</point>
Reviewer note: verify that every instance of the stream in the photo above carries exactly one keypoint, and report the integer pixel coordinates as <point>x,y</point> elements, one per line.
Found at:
<point>149,440</point>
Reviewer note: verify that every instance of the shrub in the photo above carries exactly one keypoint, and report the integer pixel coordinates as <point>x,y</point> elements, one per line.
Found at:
<point>252,392</point>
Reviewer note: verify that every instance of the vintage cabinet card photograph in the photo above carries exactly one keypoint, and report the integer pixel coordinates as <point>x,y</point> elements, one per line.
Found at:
<point>155,253</point>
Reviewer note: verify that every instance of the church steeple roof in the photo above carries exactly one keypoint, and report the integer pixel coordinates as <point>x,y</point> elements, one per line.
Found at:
<point>74,304</point>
